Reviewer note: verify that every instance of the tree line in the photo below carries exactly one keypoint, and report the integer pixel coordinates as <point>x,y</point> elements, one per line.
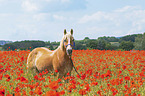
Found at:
<point>129,42</point>
<point>23,45</point>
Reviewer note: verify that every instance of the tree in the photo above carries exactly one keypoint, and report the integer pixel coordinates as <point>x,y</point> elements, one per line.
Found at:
<point>86,38</point>
<point>126,45</point>
<point>9,46</point>
<point>51,47</point>
<point>47,43</point>
<point>109,39</point>
<point>108,46</point>
<point>101,44</point>
<point>23,45</point>
<point>92,44</point>
<point>143,42</point>
<point>80,46</point>
<point>138,42</point>
<point>128,38</point>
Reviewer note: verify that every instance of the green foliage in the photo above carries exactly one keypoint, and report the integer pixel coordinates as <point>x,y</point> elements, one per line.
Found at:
<point>47,43</point>
<point>101,44</point>
<point>109,46</point>
<point>80,46</point>
<point>86,38</point>
<point>115,44</point>
<point>51,47</point>
<point>136,41</point>
<point>55,43</point>
<point>126,45</point>
<point>128,38</point>
<point>109,39</point>
<point>9,46</point>
<point>92,44</point>
<point>143,42</point>
<point>140,42</point>
<point>24,45</point>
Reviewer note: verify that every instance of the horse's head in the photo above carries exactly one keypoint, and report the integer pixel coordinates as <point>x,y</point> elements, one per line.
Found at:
<point>68,42</point>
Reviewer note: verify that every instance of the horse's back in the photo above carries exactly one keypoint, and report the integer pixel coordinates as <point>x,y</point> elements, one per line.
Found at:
<point>35,54</point>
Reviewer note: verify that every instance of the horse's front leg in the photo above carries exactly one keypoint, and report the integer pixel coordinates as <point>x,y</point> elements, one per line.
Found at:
<point>60,74</point>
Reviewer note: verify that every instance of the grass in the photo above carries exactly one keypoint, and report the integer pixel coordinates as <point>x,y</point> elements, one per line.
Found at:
<point>115,43</point>
<point>104,73</point>
<point>0,48</point>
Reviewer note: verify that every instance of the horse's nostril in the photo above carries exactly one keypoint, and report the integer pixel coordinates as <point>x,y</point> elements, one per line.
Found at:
<point>69,51</point>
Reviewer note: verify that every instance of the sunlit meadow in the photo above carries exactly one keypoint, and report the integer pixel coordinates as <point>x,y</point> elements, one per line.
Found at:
<point>103,73</point>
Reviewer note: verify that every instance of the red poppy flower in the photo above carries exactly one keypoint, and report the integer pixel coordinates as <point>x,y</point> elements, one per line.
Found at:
<point>2,92</point>
<point>82,92</point>
<point>51,93</point>
<point>68,73</point>
<point>53,85</point>
<point>56,71</point>
<point>127,78</point>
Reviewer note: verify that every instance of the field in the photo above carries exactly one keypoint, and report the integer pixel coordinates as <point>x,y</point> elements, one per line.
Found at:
<point>0,48</point>
<point>115,43</point>
<point>103,73</point>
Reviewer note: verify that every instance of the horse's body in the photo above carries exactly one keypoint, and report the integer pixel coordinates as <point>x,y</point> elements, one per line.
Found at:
<point>42,58</point>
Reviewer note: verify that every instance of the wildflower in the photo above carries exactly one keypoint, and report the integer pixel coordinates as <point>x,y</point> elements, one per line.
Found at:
<point>87,87</point>
<point>17,94</point>
<point>31,93</point>
<point>127,78</point>
<point>94,83</point>
<point>108,74</point>
<point>99,92</point>
<point>22,79</point>
<point>38,90</point>
<point>17,89</point>
<point>36,77</point>
<point>52,93</point>
<point>22,58</point>
<point>62,92</point>
<point>72,86</point>
<point>56,71</point>
<point>83,76</point>
<point>82,92</point>
<point>2,92</point>
<point>68,73</point>
<point>8,77</point>
<point>40,74</point>
<point>124,67</point>
<point>53,85</point>
<point>114,91</point>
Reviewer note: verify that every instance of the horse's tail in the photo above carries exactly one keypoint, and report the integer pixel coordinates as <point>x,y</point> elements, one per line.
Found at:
<point>74,67</point>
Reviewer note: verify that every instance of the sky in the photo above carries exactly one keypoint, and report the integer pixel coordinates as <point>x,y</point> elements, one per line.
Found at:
<point>46,19</point>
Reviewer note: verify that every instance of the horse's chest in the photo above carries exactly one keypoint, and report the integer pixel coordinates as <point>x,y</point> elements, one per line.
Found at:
<point>66,66</point>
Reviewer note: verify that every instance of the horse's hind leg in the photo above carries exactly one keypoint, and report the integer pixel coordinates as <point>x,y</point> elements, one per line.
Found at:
<point>31,62</point>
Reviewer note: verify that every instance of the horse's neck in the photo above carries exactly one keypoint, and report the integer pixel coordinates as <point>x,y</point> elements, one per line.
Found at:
<point>61,52</point>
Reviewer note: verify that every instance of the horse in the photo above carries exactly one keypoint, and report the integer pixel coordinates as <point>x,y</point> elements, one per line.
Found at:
<point>40,59</point>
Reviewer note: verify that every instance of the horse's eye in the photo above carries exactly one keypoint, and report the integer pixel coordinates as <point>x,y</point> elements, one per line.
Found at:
<point>65,40</point>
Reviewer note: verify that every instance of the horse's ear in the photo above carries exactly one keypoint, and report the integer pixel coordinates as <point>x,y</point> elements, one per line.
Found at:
<point>71,31</point>
<point>64,31</point>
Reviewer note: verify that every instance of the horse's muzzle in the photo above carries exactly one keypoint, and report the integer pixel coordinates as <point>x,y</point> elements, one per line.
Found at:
<point>69,51</point>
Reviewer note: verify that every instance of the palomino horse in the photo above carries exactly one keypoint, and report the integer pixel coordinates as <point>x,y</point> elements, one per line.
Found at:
<point>42,58</point>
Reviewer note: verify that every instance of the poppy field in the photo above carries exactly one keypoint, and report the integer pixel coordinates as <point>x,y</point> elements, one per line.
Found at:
<point>103,73</point>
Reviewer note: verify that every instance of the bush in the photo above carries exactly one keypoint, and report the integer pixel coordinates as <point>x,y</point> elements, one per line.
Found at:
<point>126,45</point>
